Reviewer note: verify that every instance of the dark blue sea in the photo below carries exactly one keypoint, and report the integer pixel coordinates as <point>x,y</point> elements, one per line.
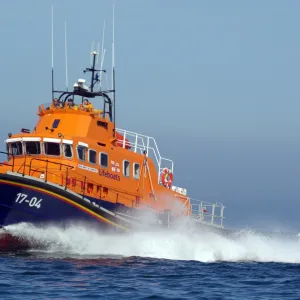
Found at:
<point>81,263</point>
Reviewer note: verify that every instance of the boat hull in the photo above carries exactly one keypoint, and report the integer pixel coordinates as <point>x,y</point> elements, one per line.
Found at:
<point>32,201</point>
<point>29,200</point>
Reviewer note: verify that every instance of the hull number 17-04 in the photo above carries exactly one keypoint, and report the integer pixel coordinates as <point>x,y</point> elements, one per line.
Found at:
<point>33,202</point>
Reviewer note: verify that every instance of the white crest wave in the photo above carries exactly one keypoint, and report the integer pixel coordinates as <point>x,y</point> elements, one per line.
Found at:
<point>177,245</point>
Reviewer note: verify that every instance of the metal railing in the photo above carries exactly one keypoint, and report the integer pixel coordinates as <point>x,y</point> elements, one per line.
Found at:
<point>62,174</point>
<point>44,108</point>
<point>139,143</point>
<point>68,167</point>
<point>207,212</point>
<point>186,211</point>
<point>8,155</point>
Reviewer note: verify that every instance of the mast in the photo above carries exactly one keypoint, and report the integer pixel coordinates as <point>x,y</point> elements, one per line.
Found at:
<point>113,69</point>
<point>66,56</point>
<point>94,53</point>
<point>102,55</point>
<point>52,55</point>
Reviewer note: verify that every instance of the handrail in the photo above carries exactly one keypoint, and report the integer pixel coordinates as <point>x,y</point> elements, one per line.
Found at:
<point>63,172</point>
<point>142,142</point>
<point>207,212</point>
<point>47,162</point>
<point>84,179</point>
<point>188,207</point>
<point>7,164</point>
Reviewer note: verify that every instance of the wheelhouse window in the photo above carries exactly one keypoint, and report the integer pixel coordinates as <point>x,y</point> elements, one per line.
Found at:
<point>33,148</point>
<point>103,160</point>
<point>55,123</point>
<point>92,156</point>
<point>81,152</point>
<point>52,148</point>
<point>136,171</point>
<point>126,168</point>
<point>67,150</point>
<point>16,148</point>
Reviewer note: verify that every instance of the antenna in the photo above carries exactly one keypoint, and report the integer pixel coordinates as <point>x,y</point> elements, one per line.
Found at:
<point>102,54</point>
<point>66,56</point>
<point>98,51</point>
<point>52,54</point>
<point>113,47</point>
<point>92,50</point>
<point>113,69</point>
<point>101,70</point>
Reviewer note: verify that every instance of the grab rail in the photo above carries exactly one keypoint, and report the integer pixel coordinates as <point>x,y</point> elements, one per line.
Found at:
<point>47,162</point>
<point>207,212</point>
<point>7,164</point>
<point>140,142</point>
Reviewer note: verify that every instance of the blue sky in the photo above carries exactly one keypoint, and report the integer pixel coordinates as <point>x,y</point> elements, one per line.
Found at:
<point>215,82</point>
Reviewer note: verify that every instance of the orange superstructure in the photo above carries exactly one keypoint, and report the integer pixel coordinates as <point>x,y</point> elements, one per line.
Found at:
<point>82,153</point>
<point>76,147</point>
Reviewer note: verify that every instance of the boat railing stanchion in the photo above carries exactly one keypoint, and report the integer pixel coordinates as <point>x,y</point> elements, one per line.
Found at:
<point>136,141</point>
<point>213,213</point>
<point>201,211</point>
<point>147,146</point>
<point>46,177</point>
<point>159,169</point>
<point>66,179</point>
<point>222,215</point>
<point>124,139</point>
<point>13,166</point>
<point>24,165</point>
<point>83,188</point>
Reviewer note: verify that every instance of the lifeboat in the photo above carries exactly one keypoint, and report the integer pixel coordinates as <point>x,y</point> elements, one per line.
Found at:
<point>76,166</point>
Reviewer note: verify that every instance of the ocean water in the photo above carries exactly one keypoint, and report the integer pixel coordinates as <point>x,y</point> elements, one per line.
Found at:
<point>82,263</point>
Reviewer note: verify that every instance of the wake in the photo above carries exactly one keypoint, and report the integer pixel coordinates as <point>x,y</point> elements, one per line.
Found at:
<point>176,245</point>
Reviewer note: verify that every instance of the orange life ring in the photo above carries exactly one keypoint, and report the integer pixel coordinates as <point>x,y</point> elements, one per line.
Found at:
<point>166,177</point>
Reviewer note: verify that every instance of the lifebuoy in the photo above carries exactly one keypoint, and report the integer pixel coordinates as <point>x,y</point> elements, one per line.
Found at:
<point>166,177</point>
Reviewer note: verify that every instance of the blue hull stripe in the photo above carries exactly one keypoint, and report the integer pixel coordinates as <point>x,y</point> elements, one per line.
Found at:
<point>59,197</point>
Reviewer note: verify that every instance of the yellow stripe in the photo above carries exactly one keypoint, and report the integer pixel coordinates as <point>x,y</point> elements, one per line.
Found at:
<point>65,199</point>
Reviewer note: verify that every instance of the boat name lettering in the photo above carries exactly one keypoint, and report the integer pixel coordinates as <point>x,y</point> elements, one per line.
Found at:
<point>109,175</point>
<point>32,202</point>
<point>87,168</point>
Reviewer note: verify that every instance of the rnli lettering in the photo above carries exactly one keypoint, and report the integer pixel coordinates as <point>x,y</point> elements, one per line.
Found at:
<point>109,175</point>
